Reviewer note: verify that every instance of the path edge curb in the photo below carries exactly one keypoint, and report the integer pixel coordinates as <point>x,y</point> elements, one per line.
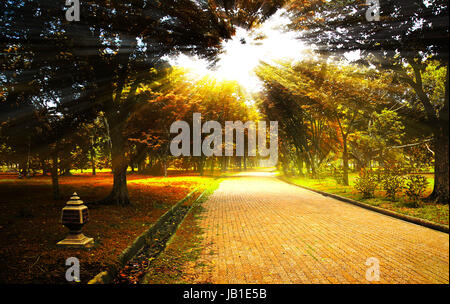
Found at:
<point>178,225</point>
<point>404,217</point>
<point>106,277</point>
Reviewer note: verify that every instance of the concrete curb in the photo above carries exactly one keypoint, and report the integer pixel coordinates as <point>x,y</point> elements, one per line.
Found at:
<point>106,277</point>
<point>143,279</point>
<point>407,218</point>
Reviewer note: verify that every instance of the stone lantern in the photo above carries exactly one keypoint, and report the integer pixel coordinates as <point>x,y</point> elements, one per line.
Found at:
<point>75,216</point>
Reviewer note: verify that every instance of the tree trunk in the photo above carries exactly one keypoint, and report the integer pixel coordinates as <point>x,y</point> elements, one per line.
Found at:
<point>285,169</point>
<point>93,157</point>
<point>212,164</point>
<point>440,123</point>
<point>300,164</point>
<point>44,168</point>
<point>222,164</point>
<point>441,169</point>
<point>140,166</point>
<point>312,165</point>
<point>441,165</point>
<point>313,170</point>
<point>308,167</point>
<point>119,194</point>
<point>345,160</point>
<point>165,167</point>
<point>55,182</point>
<point>201,165</point>
<point>23,167</point>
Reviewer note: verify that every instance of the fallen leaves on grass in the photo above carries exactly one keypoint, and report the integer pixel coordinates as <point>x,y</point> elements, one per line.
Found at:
<point>30,228</point>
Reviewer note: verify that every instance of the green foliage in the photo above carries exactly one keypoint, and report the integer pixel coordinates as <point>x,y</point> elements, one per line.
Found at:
<point>415,187</point>
<point>319,106</point>
<point>384,131</point>
<point>392,182</point>
<point>366,183</point>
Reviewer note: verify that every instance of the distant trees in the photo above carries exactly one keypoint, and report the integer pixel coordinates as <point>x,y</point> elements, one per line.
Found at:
<point>176,97</point>
<point>384,131</point>
<point>328,103</point>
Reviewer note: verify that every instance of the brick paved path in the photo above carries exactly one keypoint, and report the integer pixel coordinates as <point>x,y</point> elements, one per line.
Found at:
<point>259,229</point>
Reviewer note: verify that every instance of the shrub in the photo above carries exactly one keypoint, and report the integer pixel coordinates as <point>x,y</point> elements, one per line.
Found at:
<point>321,171</point>
<point>379,175</point>
<point>392,182</point>
<point>366,183</point>
<point>338,175</point>
<point>415,187</point>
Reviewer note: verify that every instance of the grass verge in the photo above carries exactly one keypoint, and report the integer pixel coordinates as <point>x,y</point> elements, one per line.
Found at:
<point>438,213</point>
<point>177,264</point>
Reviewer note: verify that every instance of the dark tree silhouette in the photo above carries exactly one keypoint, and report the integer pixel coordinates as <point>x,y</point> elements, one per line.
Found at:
<point>97,63</point>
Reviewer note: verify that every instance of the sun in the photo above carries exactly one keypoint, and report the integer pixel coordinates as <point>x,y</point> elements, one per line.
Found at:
<point>244,52</point>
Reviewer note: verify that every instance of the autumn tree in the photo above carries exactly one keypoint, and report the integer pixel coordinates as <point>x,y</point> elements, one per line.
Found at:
<point>340,95</point>
<point>408,38</point>
<point>278,104</point>
<point>99,62</point>
<point>384,133</point>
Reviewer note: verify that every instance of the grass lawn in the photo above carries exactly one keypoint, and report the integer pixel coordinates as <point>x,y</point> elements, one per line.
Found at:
<point>437,213</point>
<point>30,228</point>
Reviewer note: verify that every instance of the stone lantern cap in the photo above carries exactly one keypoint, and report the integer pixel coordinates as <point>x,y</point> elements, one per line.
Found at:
<point>75,200</point>
<point>75,211</point>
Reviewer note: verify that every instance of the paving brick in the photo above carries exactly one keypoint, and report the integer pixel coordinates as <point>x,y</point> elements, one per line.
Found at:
<point>258,229</point>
